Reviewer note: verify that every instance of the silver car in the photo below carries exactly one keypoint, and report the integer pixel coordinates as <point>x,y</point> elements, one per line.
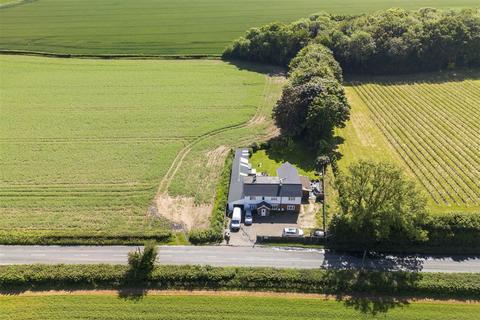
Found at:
<point>292,233</point>
<point>248,218</point>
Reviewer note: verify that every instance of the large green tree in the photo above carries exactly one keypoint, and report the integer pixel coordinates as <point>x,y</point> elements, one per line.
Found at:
<point>378,203</point>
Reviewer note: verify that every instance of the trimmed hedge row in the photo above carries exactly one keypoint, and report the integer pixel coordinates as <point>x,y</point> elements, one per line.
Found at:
<point>68,237</point>
<point>45,277</point>
<point>214,234</point>
<point>453,233</point>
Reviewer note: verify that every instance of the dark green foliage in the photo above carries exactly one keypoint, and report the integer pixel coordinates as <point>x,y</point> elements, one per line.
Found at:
<point>313,103</point>
<point>141,263</point>
<point>389,41</point>
<point>314,60</point>
<point>454,232</point>
<point>44,277</point>
<point>276,43</point>
<point>217,221</point>
<point>377,203</point>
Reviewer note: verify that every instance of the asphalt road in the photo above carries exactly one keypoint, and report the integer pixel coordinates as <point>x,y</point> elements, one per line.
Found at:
<point>234,256</point>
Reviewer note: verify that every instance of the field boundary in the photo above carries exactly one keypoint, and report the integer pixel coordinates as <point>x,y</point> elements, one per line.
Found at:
<point>229,293</point>
<point>111,56</point>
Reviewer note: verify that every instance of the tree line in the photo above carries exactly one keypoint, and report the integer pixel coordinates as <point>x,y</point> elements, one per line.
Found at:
<point>389,41</point>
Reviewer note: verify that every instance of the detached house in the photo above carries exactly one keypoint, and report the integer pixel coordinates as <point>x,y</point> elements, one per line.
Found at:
<point>261,193</point>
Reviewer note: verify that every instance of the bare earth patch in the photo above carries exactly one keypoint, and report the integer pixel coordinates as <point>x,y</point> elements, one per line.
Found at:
<point>307,217</point>
<point>183,210</point>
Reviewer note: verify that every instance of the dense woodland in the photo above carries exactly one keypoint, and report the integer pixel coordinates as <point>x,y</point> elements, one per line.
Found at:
<point>391,41</point>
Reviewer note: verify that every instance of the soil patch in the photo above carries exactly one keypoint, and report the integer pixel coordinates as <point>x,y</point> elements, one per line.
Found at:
<point>183,210</point>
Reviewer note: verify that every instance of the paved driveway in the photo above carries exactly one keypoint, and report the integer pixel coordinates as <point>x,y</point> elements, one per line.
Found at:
<point>272,225</point>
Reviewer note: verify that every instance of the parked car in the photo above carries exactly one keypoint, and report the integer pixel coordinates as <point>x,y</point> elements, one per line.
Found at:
<point>236,219</point>
<point>248,218</point>
<point>292,233</point>
<point>318,233</point>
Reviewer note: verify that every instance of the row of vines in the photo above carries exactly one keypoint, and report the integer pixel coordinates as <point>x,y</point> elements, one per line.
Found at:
<point>435,128</point>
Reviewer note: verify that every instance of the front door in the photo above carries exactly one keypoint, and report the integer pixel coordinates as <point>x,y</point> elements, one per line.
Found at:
<point>263,212</point>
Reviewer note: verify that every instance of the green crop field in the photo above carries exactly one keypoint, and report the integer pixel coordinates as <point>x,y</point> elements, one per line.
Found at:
<point>85,144</point>
<point>429,124</point>
<point>97,306</point>
<point>163,27</point>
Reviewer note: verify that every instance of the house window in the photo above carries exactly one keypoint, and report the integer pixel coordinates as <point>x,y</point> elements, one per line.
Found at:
<point>274,198</point>
<point>253,206</point>
<point>275,207</point>
<point>252,198</point>
<point>291,198</point>
<point>290,207</point>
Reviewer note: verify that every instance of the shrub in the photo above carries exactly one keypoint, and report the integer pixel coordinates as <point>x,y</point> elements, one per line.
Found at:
<point>141,263</point>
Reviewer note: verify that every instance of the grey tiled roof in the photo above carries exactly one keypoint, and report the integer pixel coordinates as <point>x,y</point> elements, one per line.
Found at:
<point>239,171</point>
<point>288,174</point>
<point>287,184</point>
<point>261,189</point>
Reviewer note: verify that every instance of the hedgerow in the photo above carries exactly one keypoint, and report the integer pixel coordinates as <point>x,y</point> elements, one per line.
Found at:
<point>451,233</point>
<point>217,221</point>
<point>67,237</point>
<point>45,277</point>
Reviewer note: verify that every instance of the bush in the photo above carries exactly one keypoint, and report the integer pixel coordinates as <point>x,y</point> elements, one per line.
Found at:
<point>217,221</point>
<point>451,233</point>
<point>141,263</point>
<point>45,277</point>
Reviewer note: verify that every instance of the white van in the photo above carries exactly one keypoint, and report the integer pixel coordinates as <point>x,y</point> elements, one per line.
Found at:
<point>236,219</point>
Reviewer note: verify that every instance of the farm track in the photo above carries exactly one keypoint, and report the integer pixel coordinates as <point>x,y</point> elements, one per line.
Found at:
<point>434,127</point>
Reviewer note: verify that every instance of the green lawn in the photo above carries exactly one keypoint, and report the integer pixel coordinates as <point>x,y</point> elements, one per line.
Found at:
<point>85,143</point>
<point>167,27</point>
<point>269,161</point>
<point>427,124</point>
<point>105,307</point>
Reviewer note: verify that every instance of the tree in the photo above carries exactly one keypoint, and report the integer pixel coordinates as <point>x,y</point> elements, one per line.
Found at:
<point>141,263</point>
<point>378,204</point>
